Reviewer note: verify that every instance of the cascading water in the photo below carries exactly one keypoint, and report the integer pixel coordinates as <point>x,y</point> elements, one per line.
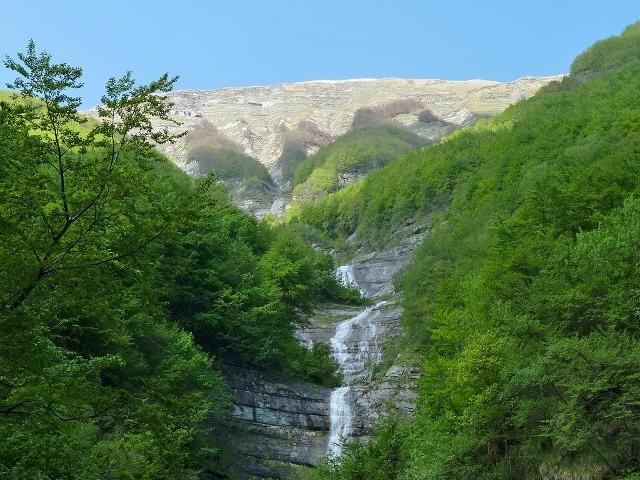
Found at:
<point>341,419</point>
<point>346,276</point>
<point>354,346</point>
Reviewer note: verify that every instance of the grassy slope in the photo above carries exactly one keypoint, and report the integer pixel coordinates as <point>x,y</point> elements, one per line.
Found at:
<point>357,152</point>
<point>228,163</point>
<point>522,304</point>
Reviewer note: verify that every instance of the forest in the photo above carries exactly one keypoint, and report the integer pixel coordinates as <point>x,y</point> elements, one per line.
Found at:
<point>125,285</point>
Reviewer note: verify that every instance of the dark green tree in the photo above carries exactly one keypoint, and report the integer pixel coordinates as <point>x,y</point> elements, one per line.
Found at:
<point>95,381</point>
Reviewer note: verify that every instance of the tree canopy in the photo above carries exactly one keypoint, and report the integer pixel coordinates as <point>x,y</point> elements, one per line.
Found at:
<point>124,284</point>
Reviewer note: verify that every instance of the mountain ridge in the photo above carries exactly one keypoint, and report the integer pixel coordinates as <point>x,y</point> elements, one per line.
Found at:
<point>259,117</point>
<point>364,79</point>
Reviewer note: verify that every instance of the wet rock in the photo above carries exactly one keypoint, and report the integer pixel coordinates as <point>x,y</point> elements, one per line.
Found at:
<point>375,272</point>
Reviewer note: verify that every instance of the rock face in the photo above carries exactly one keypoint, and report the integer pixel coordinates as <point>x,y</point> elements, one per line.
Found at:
<point>257,199</point>
<point>276,423</point>
<point>371,389</point>
<point>374,272</point>
<point>258,118</point>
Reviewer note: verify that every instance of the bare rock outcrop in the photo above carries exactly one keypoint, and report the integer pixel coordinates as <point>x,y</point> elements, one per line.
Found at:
<point>258,118</point>
<point>277,424</point>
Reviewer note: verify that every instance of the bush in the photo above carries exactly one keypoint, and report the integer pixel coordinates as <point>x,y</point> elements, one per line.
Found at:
<point>227,163</point>
<point>427,116</point>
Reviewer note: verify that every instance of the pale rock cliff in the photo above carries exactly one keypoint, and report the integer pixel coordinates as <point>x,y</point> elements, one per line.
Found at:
<point>258,118</point>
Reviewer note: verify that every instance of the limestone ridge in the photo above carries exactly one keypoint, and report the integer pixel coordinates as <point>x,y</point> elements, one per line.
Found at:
<point>258,119</point>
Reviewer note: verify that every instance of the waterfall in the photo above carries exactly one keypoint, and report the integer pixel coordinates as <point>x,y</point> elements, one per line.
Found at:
<point>341,419</point>
<point>354,345</point>
<point>346,276</point>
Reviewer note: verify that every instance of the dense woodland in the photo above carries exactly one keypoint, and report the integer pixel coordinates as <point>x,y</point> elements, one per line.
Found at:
<point>522,305</point>
<point>124,286</point>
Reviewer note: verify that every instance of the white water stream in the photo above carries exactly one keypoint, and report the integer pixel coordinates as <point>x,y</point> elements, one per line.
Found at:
<point>354,346</point>
<point>346,276</point>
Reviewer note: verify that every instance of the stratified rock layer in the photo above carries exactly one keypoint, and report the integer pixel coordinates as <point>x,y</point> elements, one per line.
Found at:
<point>276,423</point>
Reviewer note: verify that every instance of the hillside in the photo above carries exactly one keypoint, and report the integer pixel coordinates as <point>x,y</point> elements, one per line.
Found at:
<point>126,286</point>
<point>521,304</point>
<point>351,157</point>
<point>248,181</point>
<point>259,118</point>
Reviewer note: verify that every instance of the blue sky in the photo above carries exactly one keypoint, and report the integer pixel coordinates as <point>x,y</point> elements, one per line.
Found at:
<point>245,42</point>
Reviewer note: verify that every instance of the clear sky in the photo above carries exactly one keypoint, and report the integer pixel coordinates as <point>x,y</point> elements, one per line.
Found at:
<point>250,42</point>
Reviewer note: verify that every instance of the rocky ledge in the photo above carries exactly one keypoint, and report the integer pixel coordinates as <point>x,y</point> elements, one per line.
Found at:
<point>276,423</point>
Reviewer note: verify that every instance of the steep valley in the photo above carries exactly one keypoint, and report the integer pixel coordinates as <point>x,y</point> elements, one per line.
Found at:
<point>280,425</point>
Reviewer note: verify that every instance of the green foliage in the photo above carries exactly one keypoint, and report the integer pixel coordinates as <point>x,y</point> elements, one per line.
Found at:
<point>119,279</point>
<point>293,154</point>
<point>228,163</point>
<point>382,459</point>
<point>242,288</point>
<point>210,151</point>
<point>315,365</point>
<point>609,54</point>
<point>523,300</point>
<point>353,154</point>
<point>95,380</point>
